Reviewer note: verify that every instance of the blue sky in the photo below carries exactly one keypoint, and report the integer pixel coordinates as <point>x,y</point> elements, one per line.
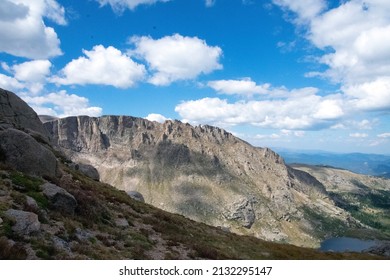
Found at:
<point>311,74</point>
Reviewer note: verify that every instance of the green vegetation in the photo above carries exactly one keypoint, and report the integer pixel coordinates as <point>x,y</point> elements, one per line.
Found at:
<point>29,183</point>
<point>371,208</point>
<point>325,225</point>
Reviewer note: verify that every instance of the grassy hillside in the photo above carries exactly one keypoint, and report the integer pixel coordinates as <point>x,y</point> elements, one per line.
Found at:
<point>108,224</point>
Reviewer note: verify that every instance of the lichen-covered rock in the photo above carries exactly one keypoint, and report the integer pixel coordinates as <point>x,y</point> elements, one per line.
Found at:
<point>59,198</point>
<point>25,222</point>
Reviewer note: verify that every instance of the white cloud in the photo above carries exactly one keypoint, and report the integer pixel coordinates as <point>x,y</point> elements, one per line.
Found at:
<point>358,135</point>
<point>10,83</point>
<point>365,124</point>
<point>62,104</point>
<point>247,87</point>
<point>370,96</point>
<point>55,12</point>
<point>384,135</point>
<point>329,109</point>
<point>32,71</point>
<point>210,3</point>
<point>297,112</point>
<point>30,75</point>
<point>306,10</point>
<point>354,36</point>
<point>120,5</point>
<point>23,31</point>
<point>241,87</point>
<point>279,108</point>
<point>176,57</point>
<point>102,66</point>
<point>267,136</point>
<point>156,118</point>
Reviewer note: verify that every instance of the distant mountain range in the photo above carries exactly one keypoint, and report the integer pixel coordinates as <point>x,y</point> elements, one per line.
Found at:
<point>368,164</point>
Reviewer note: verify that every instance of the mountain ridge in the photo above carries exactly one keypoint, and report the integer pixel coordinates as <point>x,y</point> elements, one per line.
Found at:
<point>203,173</point>
<point>362,163</point>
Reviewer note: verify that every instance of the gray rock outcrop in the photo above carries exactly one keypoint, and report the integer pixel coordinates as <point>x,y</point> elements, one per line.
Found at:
<point>242,211</point>
<point>24,140</point>
<point>26,223</point>
<point>59,198</point>
<point>24,153</point>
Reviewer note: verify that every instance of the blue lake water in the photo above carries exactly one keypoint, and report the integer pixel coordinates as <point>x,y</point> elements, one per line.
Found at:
<point>343,244</point>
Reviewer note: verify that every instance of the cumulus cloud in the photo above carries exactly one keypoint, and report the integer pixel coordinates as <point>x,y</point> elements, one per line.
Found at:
<point>297,112</point>
<point>30,75</point>
<point>241,87</point>
<point>247,87</point>
<point>176,57</point>
<point>370,96</point>
<point>23,31</point>
<point>384,135</point>
<point>102,66</point>
<point>120,5</point>
<point>354,37</point>
<point>32,71</point>
<point>62,104</point>
<point>10,83</point>
<point>156,118</point>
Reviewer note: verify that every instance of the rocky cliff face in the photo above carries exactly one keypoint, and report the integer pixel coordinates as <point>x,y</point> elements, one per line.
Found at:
<point>204,173</point>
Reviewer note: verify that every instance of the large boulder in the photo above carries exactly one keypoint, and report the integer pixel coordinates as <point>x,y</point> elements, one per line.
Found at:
<point>14,112</point>
<point>24,140</point>
<point>25,222</point>
<point>59,198</point>
<point>136,195</point>
<point>88,170</point>
<point>24,153</point>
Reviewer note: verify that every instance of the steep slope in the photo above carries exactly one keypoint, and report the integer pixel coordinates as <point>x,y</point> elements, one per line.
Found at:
<point>367,198</point>
<point>206,174</point>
